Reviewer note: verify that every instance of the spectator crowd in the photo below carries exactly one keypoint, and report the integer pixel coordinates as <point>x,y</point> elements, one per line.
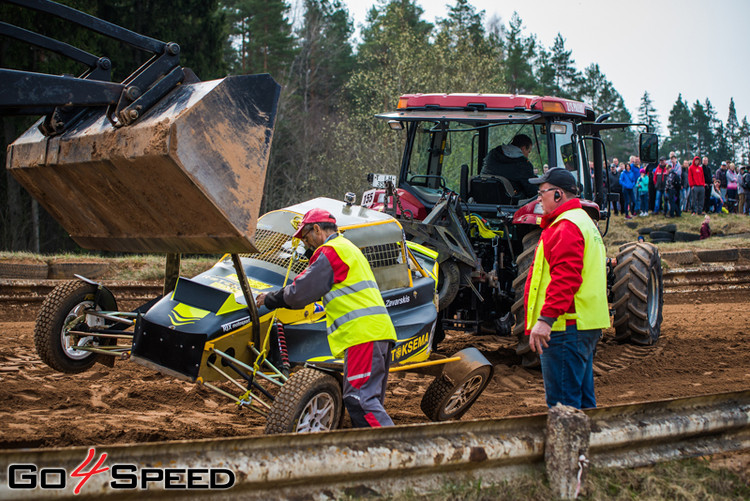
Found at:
<point>671,188</point>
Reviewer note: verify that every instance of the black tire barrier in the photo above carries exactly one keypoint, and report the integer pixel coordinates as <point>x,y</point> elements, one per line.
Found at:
<point>684,236</point>
<point>671,228</point>
<point>23,270</point>
<point>718,255</point>
<point>663,236</point>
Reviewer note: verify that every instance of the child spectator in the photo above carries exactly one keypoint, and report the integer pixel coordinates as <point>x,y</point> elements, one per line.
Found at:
<point>716,202</point>
<point>673,185</point>
<point>660,177</point>
<point>641,189</point>
<point>706,227</point>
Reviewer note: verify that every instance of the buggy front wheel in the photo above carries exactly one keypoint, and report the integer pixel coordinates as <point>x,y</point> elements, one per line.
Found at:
<point>309,401</point>
<point>446,399</point>
<point>64,310</point>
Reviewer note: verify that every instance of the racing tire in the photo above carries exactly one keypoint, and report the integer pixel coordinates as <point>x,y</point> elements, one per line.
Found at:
<point>60,308</point>
<point>449,280</point>
<point>684,236</point>
<point>523,262</point>
<point>638,294</point>
<point>663,236</point>
<point>445,400</point>
<point>310,401</point>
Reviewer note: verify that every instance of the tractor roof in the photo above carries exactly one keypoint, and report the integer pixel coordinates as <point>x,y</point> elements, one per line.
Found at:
<point>512,106</point>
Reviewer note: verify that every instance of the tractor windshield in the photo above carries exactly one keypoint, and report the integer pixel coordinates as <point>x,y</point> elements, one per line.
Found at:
<point>439,149</point>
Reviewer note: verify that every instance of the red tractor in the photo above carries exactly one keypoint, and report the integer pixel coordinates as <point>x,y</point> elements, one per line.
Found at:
<point>484,228</point>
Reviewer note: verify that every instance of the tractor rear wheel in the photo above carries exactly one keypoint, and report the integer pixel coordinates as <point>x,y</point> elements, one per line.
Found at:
<point>445,400</point>
<point>638,294</point>
<point>309,401</point>
<point>63,310</point>
<point>523,263</point>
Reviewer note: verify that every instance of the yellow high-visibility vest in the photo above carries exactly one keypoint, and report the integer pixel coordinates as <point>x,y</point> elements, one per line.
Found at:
<point>591,307</point>
<point>355,310</point>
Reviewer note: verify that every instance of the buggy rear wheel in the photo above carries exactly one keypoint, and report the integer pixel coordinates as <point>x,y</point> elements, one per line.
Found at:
<point>63,310</point>
<point>446,400</point>
<point>309,401</point>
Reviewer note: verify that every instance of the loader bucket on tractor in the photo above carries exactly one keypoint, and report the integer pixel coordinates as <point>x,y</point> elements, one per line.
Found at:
<point>186,177</point>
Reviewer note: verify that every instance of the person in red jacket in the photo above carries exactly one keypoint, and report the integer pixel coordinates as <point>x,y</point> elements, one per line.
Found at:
<point>697,185</point>
<point>565,298</point>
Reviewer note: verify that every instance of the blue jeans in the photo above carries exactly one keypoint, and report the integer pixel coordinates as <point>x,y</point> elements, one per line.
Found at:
<point>568,367</point>
<point>673,202</point>
<point>644,202</point>
<point>657,204</point>
<point>628,204</point>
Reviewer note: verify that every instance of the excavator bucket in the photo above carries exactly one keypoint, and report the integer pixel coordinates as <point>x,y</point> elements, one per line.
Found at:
<point>186,177</point>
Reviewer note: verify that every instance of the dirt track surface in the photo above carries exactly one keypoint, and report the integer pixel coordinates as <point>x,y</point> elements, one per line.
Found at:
<point>704,348</point>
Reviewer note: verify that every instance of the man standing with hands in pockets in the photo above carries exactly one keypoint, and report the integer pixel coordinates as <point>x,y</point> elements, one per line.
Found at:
<point>566,293</point>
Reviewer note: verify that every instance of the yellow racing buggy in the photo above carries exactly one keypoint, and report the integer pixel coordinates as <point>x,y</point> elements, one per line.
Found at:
<point>276,363</point>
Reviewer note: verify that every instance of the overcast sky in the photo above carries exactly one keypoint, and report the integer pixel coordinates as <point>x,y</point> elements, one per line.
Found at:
<point>700,48</point>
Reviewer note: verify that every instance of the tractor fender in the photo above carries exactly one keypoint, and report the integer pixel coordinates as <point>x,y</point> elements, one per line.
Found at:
<point>104,296</point>
<point>471,359</point>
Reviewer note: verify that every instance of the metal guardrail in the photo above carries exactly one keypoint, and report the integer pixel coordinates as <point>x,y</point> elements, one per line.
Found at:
<point>393,460</point>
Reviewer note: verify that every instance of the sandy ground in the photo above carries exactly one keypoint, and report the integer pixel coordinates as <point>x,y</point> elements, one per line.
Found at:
<point>704,348</point>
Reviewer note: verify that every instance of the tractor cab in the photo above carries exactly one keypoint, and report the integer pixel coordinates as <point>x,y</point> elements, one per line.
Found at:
<point>449,136</point>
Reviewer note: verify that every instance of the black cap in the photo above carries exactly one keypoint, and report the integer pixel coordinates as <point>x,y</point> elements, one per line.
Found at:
<point>559,177</point>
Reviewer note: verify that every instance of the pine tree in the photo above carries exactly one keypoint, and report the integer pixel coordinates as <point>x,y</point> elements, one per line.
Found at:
<point>594,89</point>
<point>700,130</point>
<point>744,141</point>
<point>647,113</point>
<point>545,75</point>
<point>679,127</point>
<point>567,76</point>
<point>263,36</point>
<point>520,51</point>
<point>463,26</point>
<point>731,131</point>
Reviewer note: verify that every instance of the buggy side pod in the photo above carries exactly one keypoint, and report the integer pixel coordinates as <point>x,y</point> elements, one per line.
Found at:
<point>177,335</point>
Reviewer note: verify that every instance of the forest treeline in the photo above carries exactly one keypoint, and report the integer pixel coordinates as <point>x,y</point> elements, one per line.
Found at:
<point>326,138</point>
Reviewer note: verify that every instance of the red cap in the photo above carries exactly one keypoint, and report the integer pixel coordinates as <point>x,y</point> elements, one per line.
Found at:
<point>314,216</point>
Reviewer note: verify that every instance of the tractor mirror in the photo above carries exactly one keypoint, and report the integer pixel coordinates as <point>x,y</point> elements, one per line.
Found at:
<point>648,148</point>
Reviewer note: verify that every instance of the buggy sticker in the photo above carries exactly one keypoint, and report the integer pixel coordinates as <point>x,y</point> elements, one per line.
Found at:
<point>409,348</point>
<point>235,324</point>
<point>389,303</point>
<point>183,314</point>
<point>318,308</point>
<point>231,283</point>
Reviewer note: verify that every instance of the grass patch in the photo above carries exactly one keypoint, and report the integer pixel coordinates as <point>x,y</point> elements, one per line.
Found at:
<point>689,479</point>
<point>729,231</point>
<point>134,267</point>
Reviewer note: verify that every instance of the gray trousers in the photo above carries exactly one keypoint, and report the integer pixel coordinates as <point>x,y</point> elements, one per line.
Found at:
<point>365,381</point>
<point>697,195</point>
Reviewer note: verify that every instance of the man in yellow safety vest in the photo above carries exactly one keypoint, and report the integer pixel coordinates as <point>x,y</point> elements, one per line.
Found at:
<point>358,325</point>
<point>566,293</point>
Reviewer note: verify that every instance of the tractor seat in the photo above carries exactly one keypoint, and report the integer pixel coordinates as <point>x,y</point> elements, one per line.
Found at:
<point>491,190</point>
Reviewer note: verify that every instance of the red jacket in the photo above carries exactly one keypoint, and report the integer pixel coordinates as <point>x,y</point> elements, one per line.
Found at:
<point>695,173</point>
<point>563,249</point>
